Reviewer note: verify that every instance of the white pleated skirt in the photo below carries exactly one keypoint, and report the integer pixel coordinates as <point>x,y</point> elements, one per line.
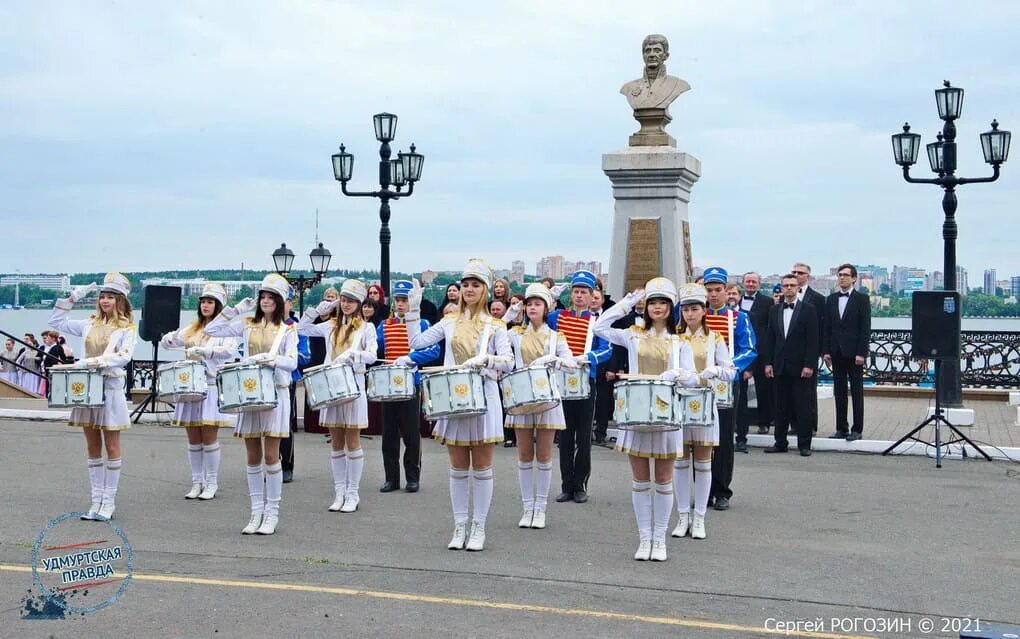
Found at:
<point>113,415</point>
<point>658,445</point>
<point>350,415</point>
<point>474,430</point>
<point>205,412</point>
<point>551,419</point>
<point>706,436</point>
<point>266,423</point>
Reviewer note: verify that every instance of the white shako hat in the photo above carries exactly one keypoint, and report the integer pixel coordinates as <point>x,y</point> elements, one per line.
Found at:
<point>275,283</point>
<point>479,270</point>
<point>540,291</point>
<point>354,289</point>
<point>214,290</point>
<point>114,282</point>
<point>661,287</point>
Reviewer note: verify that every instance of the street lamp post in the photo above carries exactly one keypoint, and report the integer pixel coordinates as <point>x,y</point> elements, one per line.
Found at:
<point>283,260</point>
<point>405,170</point>
<point>942,158</point>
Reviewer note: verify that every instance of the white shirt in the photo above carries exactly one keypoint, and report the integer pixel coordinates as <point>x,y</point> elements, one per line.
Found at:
<point>746,304</point>
<point>843,300</point>
<point>800,294</point>
<point>787,316</point>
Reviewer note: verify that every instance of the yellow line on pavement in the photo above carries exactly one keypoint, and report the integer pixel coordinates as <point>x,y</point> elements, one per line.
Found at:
<point>474,603</point>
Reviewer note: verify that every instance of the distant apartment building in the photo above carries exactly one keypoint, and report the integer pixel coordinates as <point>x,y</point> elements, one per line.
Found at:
<point>989,282</point>
<point>550,266</point>
<point>961,280</point>
<point>428,276</point>
<point>936,281</point>
<point>1014,286</point>
<point>192,287</point>
<point>907,279</point>
<point>60,283</point>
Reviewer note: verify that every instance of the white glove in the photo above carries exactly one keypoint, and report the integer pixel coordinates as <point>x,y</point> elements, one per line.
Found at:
<point>632,299</point>
<point>345,357</point>
<point>671,375</point>
<point>710,372</point>
<point>403,360</point>
<point>558,289</point>
<point>87,362</point>
<point>196,352</point>
<point>79,292</point>
<point>565,362</point>
<point>478,361</point>
<point>325,307</point>
<point>514,312</point>
<point>167,340</point>
<point>247,305</point>
<point>263,359</point>
<point>544,360</point>
<point>581,360</point>
<point>414,296</point>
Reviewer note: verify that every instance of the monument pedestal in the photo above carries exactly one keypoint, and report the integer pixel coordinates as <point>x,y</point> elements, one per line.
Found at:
<point>651,236</point>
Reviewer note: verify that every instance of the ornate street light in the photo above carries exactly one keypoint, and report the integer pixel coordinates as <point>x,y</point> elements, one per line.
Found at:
<point>283,260</point>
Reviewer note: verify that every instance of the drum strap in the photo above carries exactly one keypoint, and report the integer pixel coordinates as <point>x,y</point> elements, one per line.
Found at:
<point>483,343</point>
<point>550,344</point>
<point>591,333</point>
<point>275,348</point>
<point>675,355</point>
<point>731,320</point>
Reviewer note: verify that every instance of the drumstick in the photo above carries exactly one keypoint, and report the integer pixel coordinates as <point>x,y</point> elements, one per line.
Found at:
<point>637,376</point>
<point>436,369</point>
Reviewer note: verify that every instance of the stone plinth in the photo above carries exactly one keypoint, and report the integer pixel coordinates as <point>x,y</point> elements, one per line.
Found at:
<point>651,237</point>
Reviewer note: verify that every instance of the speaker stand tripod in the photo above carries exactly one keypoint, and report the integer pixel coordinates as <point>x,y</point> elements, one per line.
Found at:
<point>150,399</point>
<point>938,419</point>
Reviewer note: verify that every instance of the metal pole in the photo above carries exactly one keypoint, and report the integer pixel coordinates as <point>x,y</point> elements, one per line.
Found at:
<point>384,215</point>
<point>951,387</point>
<point>301,296</point>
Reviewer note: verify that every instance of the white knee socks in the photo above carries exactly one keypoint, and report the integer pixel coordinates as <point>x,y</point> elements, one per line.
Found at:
<point>481,494</point>
<point>274,489</point>
<point>702,485</point>
<point>355,466</point>
<point>682,484</point>
<point>96,479</point>
<point>338,462</point>
<point>256,489</point>
<point>211,464</point>
<point>459,494</point>
<point>641,498</point>
<point>542,483</point>
<point>195,460</point>
<point>663,508</point>
<point>110,480</point>
<point>527,482</point>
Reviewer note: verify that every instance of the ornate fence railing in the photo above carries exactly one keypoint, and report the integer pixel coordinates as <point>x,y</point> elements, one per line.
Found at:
<point>989,359</point>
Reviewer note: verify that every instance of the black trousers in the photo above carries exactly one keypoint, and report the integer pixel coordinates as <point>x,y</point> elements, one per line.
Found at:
<point>401,421</point>
<point>287,443</point>
<point>722,458</point>
<point>843,367</point>
<point>797,403</point>
<point>603,405</point>
<point>575,443</point>
<point>763,416</point>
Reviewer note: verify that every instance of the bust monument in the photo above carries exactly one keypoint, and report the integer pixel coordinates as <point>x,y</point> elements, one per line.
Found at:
<point>651,95</point>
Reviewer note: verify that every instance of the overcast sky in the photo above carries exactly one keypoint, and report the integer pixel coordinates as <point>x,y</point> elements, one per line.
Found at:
<point>163,135</point>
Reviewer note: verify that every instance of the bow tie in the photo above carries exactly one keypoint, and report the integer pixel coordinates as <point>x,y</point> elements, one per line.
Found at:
<point>844,294</point>
<point>785,305</point>
<point>749,298</point>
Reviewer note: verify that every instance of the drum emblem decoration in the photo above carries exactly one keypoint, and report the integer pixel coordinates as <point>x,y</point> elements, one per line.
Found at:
<point>398,381</point>
<point>694,405</point>
<point>660,404</point>
<point>620,403</point>
<point>461,390</point>
<point>572,382</point>
<point>508,392</point>
<point>720,387</point>
<point>78,388</point>
<point>250,384</point>
<point>540,383</point>
<point>183,378</point>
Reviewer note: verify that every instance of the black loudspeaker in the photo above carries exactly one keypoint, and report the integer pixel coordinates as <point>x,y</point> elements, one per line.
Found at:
<point>935,316</point>
<point>161,312</point>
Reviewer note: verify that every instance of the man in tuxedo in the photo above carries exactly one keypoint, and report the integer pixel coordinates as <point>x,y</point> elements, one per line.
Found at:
<point>810,295</point>
<point>790,351</point>
<point>845,338</point>
<point>756,304</point>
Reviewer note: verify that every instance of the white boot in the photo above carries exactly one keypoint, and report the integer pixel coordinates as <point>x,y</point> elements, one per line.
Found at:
<point>208,491</point>
<point>106,510</point>
<point>256,491</point>
<point>538,521</point>
<point>644,550</point>
<point>196,490</point>
<point>338,503</point>
<point>210,470</point>
<point>95,467</point>
<point>658,550</point>
<point>355,466</point>
<point>195,461</point>
<point>526,519</point>
<point>477,539</point>
<point>683,524</point>
<point>338,464</point>
<point>111,479</point>
<point>253,524</point>
<point>698,527</point>
<point>459,536</point>
<point>274,492</point>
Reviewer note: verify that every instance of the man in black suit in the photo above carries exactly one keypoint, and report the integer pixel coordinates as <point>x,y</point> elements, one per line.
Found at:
<point>790,351</point>
<point>757,305</point>
<point>811,296</point>
<point>845,338</point>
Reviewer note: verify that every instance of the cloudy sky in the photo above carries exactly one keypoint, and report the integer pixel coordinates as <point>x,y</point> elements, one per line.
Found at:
<point>164,135</point>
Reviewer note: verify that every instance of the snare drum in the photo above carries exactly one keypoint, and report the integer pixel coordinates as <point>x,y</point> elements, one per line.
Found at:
<point>529,390</point>
<point>696,406</point>
<point>647,405</point>
<point>723,392</point>
<point>182,381</point>
<point>243,388</point>
<point>392,383</point>
<point>453,393</point>
<point>330,385</point>
<point>573,383</point>
<point>76,387</point>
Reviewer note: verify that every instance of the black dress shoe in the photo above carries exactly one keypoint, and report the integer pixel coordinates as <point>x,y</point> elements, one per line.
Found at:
<point>805,452</point>
<point>740,447</point>
<point>852,437</point>
<point>839,434</point>
<point>288,476</point>
<point>389,487</point>
<point>580,497</point>
<point>721,503</point>
<point>412,487</point>
<point>775,449</point>
<point>763,430</point>
<point>564,496</point>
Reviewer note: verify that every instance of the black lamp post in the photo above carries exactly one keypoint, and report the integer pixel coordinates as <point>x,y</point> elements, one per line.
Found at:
<point>405,170</point>
<point>283,260</point>
<point>942,158</point>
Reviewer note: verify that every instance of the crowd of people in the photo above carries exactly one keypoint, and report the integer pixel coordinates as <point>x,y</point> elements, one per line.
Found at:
<point>688,336</point>
<point>26,364</point>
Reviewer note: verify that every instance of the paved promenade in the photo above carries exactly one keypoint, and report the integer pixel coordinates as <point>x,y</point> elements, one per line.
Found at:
<point>834,535</point>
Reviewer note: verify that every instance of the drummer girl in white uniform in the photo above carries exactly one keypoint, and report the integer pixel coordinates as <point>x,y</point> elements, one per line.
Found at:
<point>203,419</point>
<point>711,361</point>
<point>474,339</point>
<point>535,344</point>
<point>109,336</point>
<point>349,340</point>
<point>268,341</point>
<point>653,349</point>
